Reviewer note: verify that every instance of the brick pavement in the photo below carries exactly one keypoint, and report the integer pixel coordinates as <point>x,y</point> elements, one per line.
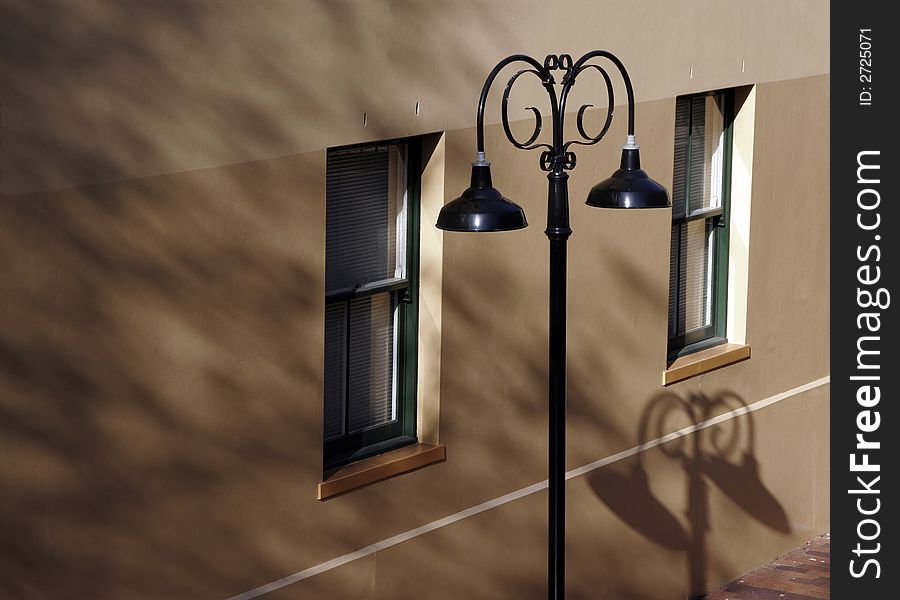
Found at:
<point>803,574</point>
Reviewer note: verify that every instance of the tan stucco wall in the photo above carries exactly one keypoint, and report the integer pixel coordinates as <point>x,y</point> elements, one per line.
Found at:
<point>161,331</point>
<point>95,91</point>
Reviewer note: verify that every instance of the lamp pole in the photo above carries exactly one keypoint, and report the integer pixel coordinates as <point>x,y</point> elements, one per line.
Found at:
<point>481,208</point>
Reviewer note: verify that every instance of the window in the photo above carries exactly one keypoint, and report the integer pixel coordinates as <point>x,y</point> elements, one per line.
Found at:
<point>371,297</point>
<point>700,194</point>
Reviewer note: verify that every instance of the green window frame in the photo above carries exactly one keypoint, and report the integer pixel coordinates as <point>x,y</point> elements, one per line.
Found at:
<point>370,349</point>
<point>698,279</point>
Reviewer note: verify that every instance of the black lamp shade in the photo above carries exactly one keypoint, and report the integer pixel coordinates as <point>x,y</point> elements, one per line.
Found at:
<point>481,207</point>
<point>629,187</point>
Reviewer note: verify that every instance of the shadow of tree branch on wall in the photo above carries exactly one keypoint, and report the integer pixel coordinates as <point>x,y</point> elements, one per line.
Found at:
<point>147,369</point>
<point>115,91</point>
<point>161,336</point>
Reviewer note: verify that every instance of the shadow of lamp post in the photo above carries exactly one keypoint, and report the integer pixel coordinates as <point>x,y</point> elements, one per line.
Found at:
<point>482,208</point>
<point>629,495</point>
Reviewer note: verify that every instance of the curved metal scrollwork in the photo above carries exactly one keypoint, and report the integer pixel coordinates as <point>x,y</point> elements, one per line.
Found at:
<point>549,160</point>
<point>538,120</point>
<point>556,155</point>
<point>588,140</point>
<point>555,62</point>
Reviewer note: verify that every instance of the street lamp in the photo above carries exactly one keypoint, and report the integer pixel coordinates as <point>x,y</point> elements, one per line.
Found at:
<point>482,208</point>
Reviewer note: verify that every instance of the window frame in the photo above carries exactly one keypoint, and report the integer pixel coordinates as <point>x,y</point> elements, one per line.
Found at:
<point>719,219</point>
<point>402,431</point>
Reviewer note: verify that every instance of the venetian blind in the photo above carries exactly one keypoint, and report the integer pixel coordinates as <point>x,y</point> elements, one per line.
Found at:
<point>365,226</point>
<point>697,185</point>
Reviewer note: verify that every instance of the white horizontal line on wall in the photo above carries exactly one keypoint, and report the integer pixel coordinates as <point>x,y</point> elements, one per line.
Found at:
<point>521,493</point>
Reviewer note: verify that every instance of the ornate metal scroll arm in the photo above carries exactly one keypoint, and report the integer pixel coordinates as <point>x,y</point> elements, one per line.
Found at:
<point>546,79</point>
<point>538,120</point>
<point>556,155</point>
<point>579,67</point>
<point>589,140</point>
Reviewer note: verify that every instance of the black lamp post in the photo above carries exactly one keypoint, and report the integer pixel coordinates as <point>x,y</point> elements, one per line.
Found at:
<point>482,208</point>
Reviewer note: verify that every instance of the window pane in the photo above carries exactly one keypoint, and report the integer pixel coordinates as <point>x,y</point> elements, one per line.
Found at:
<point>695,284</point>
<point>673,281</point>
<point>707,137</point>
<point>365,216</point>
<point>697,186</point>
<point>679,178</point>
<point>335,367</point>
<point>372,328</point>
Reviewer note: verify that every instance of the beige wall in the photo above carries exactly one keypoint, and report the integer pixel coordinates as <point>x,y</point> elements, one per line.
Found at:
<point>98,90</point>
<point>162,246</point>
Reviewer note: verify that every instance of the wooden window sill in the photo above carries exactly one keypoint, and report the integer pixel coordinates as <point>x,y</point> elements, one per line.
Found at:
<point>704,361</point>
<point>377,468</point>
